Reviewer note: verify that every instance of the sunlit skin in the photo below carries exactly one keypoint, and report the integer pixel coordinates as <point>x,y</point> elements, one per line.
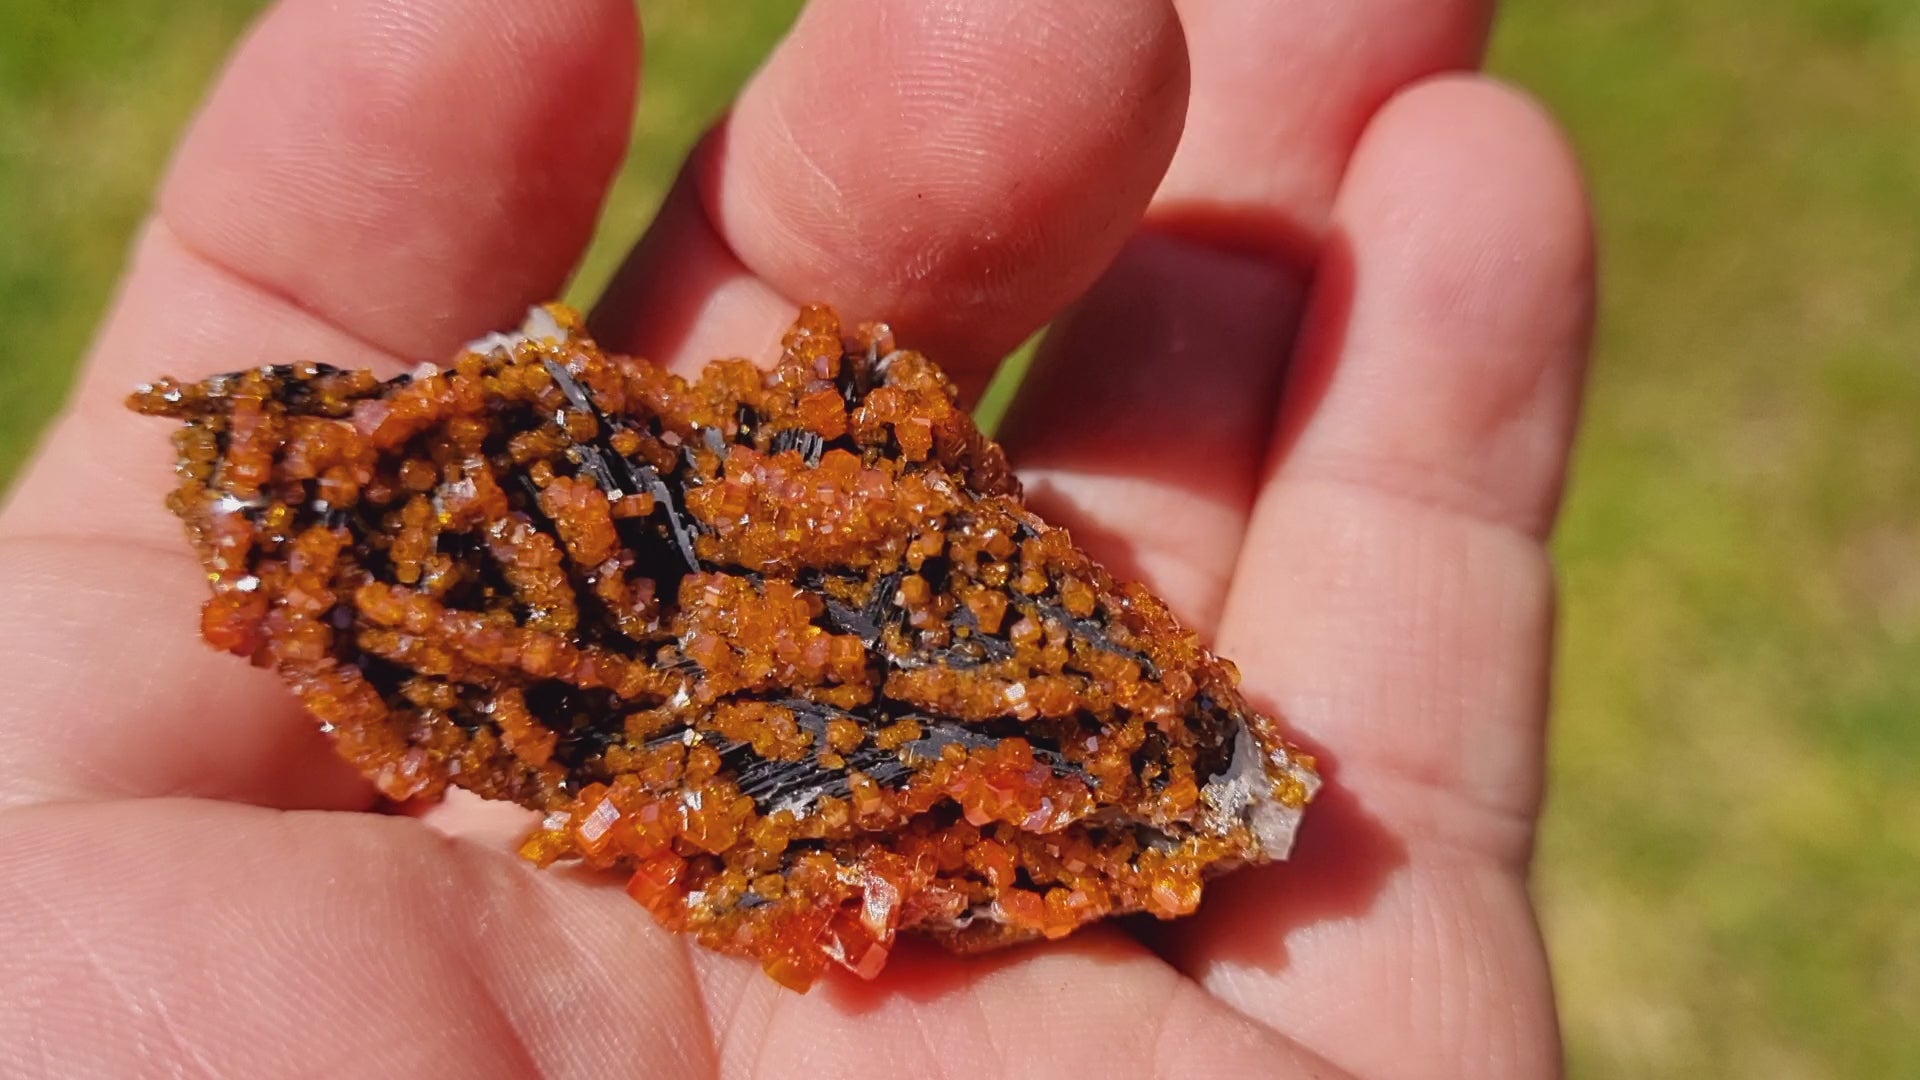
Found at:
<point>1320,396</point>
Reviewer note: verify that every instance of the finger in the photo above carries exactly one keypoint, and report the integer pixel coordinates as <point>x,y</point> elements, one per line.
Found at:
<point>365,946</point>
<point>959,170</point>
<point>1096,1005</point>
<point>1137,424</point>
<point>112,693</point>
<point>1283,90</point>
<point>231,941</point>
<point>438,169</point>
<point>370,182</point>
<point>1394,600</point>
<point>1183,341</point>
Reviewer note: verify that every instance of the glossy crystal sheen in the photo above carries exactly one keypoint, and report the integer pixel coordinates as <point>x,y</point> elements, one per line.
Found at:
<point>783,646</point>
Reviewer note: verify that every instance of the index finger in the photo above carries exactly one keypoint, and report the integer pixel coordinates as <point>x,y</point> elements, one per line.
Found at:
<point>371,182</point>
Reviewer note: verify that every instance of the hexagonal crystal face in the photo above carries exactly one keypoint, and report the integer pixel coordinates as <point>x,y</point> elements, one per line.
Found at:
<point>784,646</point>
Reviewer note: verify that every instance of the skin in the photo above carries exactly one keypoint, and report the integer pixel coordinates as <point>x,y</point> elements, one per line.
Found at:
<point>1322,299</point>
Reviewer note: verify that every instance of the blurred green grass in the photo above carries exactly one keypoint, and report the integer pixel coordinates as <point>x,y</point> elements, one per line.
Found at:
<point>1730,865</point>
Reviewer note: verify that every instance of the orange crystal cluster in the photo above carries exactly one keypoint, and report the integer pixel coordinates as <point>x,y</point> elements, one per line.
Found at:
<point>782,646</point>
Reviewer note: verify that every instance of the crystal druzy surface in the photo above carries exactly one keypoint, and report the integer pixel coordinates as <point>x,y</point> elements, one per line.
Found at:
<point>783,646</point>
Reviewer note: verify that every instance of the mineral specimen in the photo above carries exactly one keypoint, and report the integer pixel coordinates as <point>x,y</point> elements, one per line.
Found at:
<point>782,646</point>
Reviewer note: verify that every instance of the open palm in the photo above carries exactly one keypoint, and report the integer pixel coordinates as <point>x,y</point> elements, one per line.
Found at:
<point>1320,314</point>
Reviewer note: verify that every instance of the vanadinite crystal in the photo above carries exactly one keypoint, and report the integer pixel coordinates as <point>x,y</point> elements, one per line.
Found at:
<point>783,646</point>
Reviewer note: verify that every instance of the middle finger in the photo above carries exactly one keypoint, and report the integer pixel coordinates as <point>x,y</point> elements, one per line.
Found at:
<point>1183,343</point>
<point>958,169</point>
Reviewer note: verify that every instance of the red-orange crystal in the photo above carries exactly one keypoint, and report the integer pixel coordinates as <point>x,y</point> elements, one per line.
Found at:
<point>783,646</point>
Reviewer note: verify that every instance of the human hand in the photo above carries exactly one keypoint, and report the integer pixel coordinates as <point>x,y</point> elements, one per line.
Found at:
<point>1321,400</point>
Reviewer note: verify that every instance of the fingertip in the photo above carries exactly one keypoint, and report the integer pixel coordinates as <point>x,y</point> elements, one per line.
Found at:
<point>961,170</point>
<point>1449,329</point>
<point>414,170</point>
<point>1493,192</point>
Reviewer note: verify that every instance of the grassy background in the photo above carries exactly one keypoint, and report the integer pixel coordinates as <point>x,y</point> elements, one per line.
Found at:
<point>1730,867</point>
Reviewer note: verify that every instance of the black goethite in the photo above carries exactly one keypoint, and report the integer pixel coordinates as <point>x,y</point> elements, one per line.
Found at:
<point>782,645</point>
